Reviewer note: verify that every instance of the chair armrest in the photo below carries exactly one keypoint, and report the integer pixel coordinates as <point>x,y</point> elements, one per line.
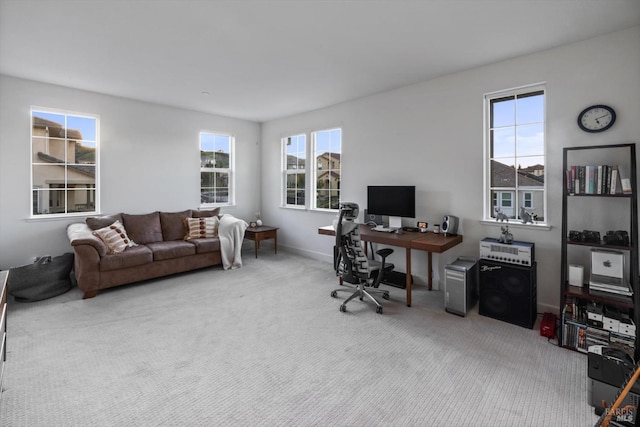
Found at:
<point>384,252</point>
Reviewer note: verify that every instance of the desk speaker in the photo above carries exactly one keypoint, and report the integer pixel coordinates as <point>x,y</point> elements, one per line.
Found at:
<point>508,292</point>
<point>450,225</point>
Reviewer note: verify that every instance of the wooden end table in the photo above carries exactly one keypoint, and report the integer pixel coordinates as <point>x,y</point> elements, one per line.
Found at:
<point>260,233</point>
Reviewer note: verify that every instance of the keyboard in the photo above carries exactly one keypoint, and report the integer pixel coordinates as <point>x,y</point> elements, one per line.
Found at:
<point>383,229</point>
<point>606,280</point>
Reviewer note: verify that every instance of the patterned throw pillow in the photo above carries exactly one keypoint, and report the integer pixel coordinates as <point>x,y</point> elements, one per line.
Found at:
<point>201,227</point>
<point>115,237</point>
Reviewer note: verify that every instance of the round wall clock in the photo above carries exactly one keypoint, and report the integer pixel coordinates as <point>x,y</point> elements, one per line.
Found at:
<point>596,118</point>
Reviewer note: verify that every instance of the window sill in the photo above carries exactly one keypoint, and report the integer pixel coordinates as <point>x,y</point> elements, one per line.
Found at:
<point>514,224</point>
<point>303,208</point>
<point>61,217</point>
<point>211,206</point>
<point>293,207</point>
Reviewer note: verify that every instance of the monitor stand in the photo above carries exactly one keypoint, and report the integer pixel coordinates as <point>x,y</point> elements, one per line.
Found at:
<point>395,222</point>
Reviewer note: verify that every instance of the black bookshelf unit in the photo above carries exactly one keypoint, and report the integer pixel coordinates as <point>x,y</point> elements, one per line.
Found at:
<point>595,201</point>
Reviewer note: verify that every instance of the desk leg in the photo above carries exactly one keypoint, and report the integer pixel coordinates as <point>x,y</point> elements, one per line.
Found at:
<point>256,243</point>
<point>408,280</point>
<point>430,272</point>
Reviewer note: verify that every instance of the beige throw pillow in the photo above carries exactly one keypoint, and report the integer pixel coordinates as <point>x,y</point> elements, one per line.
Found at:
<point>198,228</point>
<point>115,237</point>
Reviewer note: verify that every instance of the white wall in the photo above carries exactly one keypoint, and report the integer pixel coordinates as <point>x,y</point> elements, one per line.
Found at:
<point>149,161</point>
<point>428,134</point>
<point>431,135</point>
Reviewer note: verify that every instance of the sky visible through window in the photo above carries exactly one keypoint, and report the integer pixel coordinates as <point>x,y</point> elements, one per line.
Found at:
<point>518,131</point>
<point>328,141</point>
<point>85,125</point>
<point>215,142</point>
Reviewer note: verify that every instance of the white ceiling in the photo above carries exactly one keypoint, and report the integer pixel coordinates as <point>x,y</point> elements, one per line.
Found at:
<point>264,59</point>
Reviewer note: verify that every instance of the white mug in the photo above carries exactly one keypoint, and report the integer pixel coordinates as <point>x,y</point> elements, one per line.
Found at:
<point>436,229</point>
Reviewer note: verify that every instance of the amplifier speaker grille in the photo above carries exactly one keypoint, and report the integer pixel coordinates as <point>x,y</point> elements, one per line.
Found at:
<point>508,292</point>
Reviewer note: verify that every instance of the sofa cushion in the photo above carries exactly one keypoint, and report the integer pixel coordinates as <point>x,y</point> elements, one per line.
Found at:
<point>137,255</point>
<point>198,228</point>
<point>115,237</point>
<point>97,222</point>
<point>144,228</point>
<point>171,249</point>
<point>210,244</point>
<point>205,213</point>
<point>173,227</point>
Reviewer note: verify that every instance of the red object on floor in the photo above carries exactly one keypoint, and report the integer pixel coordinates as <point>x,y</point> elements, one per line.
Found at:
<point>548,325</point>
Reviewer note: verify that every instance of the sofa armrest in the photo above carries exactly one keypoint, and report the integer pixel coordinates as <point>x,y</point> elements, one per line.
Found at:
<point>80,234</point>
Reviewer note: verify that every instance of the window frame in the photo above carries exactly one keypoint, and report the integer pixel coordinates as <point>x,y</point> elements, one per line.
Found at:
<point>518,198</point>
<point>34,188</point>
<point>317,168</point>
<point>311,169</point>
<point>230,170</point>
<point>286,172</point>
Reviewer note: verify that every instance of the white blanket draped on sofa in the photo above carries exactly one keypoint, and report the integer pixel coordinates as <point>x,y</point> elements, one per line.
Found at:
<point>231,234</point>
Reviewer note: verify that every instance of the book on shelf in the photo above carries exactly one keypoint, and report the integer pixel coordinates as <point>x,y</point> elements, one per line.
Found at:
<point>599,172</point>
<point>591,179</point>
<point>615,183</point>
<point>570,311</point>
<point>597,179</point>
<point>575,336</point>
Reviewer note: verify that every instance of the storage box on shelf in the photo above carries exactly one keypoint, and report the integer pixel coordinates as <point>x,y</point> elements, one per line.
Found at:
<point>599,211</point>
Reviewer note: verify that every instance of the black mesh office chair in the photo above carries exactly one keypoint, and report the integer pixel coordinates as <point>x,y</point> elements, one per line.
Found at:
<point>351,263</point>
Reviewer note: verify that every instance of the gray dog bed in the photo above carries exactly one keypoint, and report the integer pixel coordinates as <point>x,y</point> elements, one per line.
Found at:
<point>46,278</point>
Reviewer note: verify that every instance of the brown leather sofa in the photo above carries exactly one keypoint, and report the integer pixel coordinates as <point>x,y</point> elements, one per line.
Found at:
<point>161,249</point>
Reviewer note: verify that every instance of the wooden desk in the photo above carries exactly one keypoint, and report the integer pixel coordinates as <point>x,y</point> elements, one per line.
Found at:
<point>438,243</point>
<point>428,242</point>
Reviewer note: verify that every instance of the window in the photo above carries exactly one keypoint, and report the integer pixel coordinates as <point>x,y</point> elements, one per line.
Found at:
<point>515,153</point>
<point>327,149</point>
<point>216,169</point>
<point>295,169</point>
<point>64,163</point>
<point>323,154</point>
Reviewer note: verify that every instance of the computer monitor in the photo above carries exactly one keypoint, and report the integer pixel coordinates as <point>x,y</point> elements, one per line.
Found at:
<point>394,201</point>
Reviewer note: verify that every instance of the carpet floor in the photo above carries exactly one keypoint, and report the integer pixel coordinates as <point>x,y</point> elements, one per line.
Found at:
<point>266,345</point>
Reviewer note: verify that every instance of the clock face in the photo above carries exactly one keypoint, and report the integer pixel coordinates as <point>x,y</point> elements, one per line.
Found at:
<point>596,118</point>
